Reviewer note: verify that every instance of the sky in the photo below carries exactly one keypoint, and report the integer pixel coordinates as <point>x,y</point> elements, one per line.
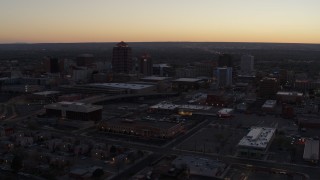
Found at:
<point>40,21</point>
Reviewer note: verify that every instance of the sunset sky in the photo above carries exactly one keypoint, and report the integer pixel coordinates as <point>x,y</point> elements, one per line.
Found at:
<point>36,21</point>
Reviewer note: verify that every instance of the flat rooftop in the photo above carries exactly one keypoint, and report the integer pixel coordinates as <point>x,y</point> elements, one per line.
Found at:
<point>225,111</point>
<point>73,106</point>
<point>46,93</point>
<point>195,107</point>
<point>187,80</point>
<point>269,104</point>
<point>311,150</point>
<point>200,166</point>
<point>165,106</point>
<point>155,78</point>
<point>131,86</point>
<point>170,106</point>
<point>290,93</point>
<point>258,137</point>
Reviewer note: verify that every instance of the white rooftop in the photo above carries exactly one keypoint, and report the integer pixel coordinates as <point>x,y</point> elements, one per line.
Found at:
<point>200,166</point>
<point>269,104</point>
<point>170,106</point>
<point>195,107</point>
<point>166,106</point>
<point>73,106</point>
<point>225,111</point>
<point>121,85</point>
<point>290,93</point>
<point>311,150</point>
<point>258,137</point>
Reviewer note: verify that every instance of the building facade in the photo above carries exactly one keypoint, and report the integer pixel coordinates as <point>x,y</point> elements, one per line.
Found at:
<point>224,76</point>
<point>247,63</point>
<point>122,58</point>
<point>145,65</point>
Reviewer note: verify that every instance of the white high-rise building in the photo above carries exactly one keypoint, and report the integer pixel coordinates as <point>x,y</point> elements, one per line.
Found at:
<point>247,63</point>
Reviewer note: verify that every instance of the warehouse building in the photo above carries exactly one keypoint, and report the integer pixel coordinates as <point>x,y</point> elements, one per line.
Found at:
<point>148,129</point>
<point>75,111</point>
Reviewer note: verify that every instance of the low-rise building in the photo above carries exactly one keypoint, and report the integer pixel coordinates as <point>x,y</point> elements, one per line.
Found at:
<point>75,111</point>
<point>200,166</point>
<point>256,142</point>
<point>311,151</point>
<point>186,84</point>
<point>225,113</point>
<point>289,97</point>
<point>269,106</point>
<point>158,129</point>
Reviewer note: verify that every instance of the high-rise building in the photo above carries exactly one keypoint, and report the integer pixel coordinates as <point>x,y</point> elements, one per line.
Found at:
<point>225,60</point>
<point>122,58</point>
<point>146,65</point>
<point>51,65</point>
<point>268,87</point>
<point>247,63</point>
<point>224,76</point>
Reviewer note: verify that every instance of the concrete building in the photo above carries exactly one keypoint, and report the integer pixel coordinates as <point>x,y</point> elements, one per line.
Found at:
<point>269,106</point>
<point>150,129</point>
<point>145,65</point>
<point>125,88</point>
<point>224,76</point>
<point>163,83</point>
<point>225,113</point>
<point>289,97</point>
<point>219,99</point>
<point>75,111</point>
<point>256,143</point>
<point>268,87</point>
<point>122,58</point>
<point>52,65</point>
<point>200,166</point>
<point>311,151</point>
<point>247,63</point>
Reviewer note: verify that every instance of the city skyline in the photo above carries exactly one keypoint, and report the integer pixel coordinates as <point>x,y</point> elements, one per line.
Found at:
<point>35,21</point>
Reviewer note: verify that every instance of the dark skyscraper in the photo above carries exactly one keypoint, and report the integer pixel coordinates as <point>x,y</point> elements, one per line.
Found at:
<point>146,65</point>
<point>122,58</point>
<point>225,60</point>
<point>52,65</point>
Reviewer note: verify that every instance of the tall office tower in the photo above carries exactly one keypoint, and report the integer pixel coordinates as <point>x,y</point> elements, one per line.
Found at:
<point>247,63</point>
<point>51,65</point>
<point>268,87</point>
<point>225,60</point>
<point>122,58</point>
<point>224,76</point>
<point>146,65</point>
